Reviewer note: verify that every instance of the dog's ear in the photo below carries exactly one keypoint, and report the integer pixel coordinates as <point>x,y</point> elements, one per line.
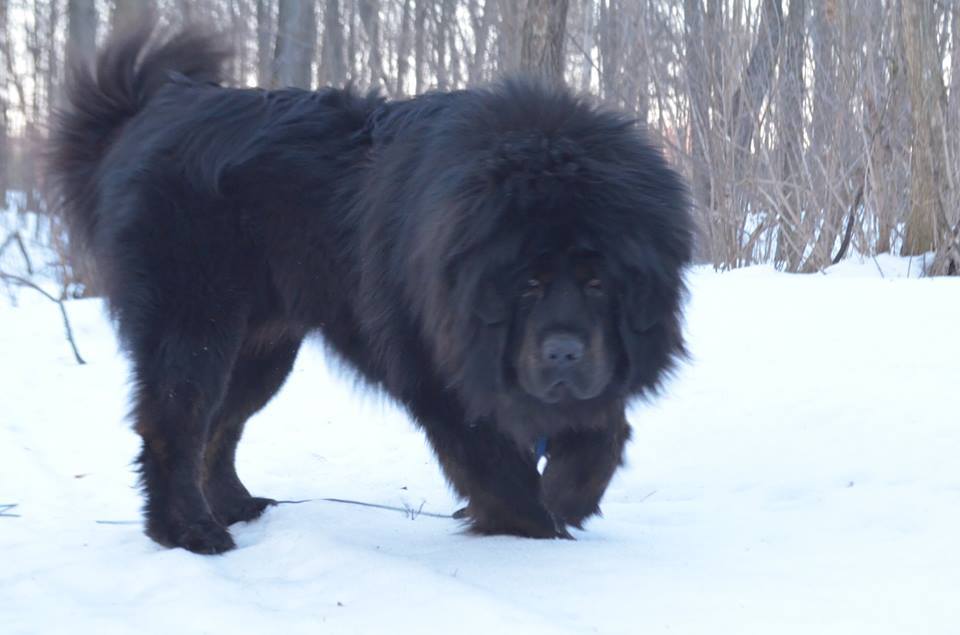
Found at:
<point>491,307</point>
<point>640,305</point>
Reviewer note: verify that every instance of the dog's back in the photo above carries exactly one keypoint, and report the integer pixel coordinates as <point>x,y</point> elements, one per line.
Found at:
<point>150,150</point>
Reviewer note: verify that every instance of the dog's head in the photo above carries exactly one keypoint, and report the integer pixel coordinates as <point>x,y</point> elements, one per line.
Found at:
<point>557,252</point>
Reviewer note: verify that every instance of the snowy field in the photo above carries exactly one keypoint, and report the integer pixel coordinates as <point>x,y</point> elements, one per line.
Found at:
<point>800,475</point>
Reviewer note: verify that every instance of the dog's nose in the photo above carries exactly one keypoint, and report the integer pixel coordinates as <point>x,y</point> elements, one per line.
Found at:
<point>561,350</point>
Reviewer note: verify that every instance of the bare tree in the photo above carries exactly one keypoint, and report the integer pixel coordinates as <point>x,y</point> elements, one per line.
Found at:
<point>420,46</point>
<point>808,129</point>
<point>544,37</point>
<point>403,48</point>
<point>239,19</point>
<point>126,12</point>
<point>444,21</point>
<point>482,26</point>
<point>757,79</point>
<point>296,32</point>
<point>588,30</point>
<point>698,92</point>
<point>4,126</point>
<point>82,22</point>
<point>265,35</point>
<point>333,66</point>
<point>510,40</point>
<point>623,60</point>
<point>955,64</point>
<point>927,223</point>
<point>369,11</point>
<point>790,243</point>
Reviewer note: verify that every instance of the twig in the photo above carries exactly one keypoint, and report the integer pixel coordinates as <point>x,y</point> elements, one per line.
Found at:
<point>15,238</point>
<point>413,513</point>
<point>408,511</point>
<point>117,522</point>
<point>879,268</point>
<point>5,510</point>
<point>59,302</point>
<point>848,234</point>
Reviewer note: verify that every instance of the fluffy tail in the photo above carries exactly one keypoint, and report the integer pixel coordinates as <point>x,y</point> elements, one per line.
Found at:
<point>128,71</point>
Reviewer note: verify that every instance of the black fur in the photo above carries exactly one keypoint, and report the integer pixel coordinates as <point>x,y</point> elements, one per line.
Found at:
<point>227,223</point>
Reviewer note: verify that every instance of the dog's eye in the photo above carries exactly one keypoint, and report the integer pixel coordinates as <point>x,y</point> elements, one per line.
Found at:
<point>594,284</point>
<point>532,287</point>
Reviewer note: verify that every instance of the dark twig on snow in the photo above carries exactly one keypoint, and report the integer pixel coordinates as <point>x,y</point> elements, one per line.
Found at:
<point>5,510</point>
<point>407,510</point>
<point>58,301</point>
<point>15,239</point>
<point>118,522</point>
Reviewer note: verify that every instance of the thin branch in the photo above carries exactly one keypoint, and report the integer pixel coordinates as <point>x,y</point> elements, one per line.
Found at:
<point>59,302</point>
<point>5,510</point>
<point>848,234</point>
<point>15,238</point>
<point>407,510</point>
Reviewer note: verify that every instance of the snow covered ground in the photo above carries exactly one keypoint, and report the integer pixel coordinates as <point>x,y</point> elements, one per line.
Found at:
<point>800,475</point>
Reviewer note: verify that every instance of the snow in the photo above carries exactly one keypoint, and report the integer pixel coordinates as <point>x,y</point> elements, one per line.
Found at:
<point>799,475</point>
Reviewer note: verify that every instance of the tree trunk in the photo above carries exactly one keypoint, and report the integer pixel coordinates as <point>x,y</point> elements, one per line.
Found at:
<point>333,66</point>
<point>296,32</point>
<point>756,81</point>
<point>586,65</point>
<point>885,113</point>
<point>790,243</point>
<point>639,61</point>
<point>353,55</point>
<point>698,90</point>
<point>955,66</point>
<point>126,12</point>
<point>240,20</point>
<point>81,31</point>
<point>403,49</point>
<point>510,37</point>
<point>611,51</point>
<point>926,223</point>
<point>742,191</point>
<point>264,38</point>
<point>825,171</point>
<point>455,73</point>
<point>420,46</point>
<point>370,17</point>
<point>544,35</point>
<point>482,35</point>
<point>443,22</point>
<point>52,70</point>
<point>4,141</point>
<point>825,59</point>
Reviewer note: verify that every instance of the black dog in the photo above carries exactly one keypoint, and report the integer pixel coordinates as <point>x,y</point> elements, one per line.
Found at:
<point>505,262</point>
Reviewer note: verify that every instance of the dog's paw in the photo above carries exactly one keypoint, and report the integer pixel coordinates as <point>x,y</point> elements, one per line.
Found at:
<point>204,536</point>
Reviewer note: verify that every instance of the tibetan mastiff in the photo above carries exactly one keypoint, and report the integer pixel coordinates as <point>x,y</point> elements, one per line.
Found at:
<point>506,262</point>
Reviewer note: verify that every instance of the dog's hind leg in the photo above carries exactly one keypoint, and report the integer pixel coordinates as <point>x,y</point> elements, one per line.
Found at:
<point>182,358</point>
<point>258,374</point>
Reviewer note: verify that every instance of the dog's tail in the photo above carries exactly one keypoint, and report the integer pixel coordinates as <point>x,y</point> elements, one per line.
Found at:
<point>128,71</point>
